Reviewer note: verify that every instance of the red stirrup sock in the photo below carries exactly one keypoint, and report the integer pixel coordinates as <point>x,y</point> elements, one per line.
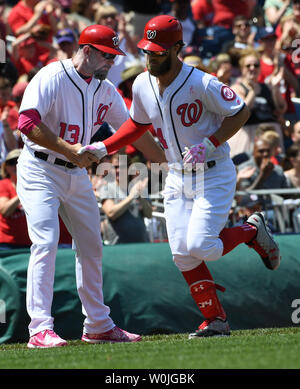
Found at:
<point>203,291</point>
<point>232,237</point>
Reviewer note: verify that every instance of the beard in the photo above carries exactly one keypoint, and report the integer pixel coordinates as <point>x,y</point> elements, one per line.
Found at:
<point>160,69</point>
<point>101,74</point>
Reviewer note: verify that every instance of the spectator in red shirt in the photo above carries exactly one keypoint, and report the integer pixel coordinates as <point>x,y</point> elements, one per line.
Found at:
<point>27,54</point>
<point>40,19</point>
<point>27,13</point>
<point>288,31</point>
<point>7,103</point>
<point>220,31</point>
<point>13,227</point>
<point>227,10</point>
<point>203,12</point>
<point>271,62</point>
<point>7,69</point>
<point>13,224</point>
<point>289,26</point>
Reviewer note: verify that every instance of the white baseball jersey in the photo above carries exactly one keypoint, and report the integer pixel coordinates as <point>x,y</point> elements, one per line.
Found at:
<point>69,106</point>
<point>192,107</point>
<point>74,110</point>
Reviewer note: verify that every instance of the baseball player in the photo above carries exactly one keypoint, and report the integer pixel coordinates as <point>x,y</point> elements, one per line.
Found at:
<point>193,114</point>
<point>63,106</point>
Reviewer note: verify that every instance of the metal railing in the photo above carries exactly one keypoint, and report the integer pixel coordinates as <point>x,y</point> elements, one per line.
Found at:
<point>283,212</point>
<point>282,205</point>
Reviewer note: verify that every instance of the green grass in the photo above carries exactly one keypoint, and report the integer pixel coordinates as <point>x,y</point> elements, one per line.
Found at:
<point>248,349</point>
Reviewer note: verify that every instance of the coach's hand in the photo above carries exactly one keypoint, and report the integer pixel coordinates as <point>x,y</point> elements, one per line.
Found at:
<point>83,160</point>
<point>197,154</point>
<point>96,148</point>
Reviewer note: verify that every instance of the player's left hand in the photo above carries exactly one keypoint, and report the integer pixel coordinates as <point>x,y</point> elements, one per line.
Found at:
<point>96,148</point>
<point>197,154</point>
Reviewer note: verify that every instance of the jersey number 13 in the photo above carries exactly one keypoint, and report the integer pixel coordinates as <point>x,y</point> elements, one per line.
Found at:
<point>69,132</point>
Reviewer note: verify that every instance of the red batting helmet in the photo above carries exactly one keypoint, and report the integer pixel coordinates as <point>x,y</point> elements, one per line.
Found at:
<point>102,38</point>
<point>160,33</point>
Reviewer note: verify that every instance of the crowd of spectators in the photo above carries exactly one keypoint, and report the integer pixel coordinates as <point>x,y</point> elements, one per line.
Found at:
<point>251,45</point>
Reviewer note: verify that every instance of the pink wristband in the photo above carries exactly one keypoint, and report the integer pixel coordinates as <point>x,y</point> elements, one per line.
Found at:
<point>28,120</point>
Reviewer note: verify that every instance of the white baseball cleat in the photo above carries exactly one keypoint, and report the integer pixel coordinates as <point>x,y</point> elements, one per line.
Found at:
<point>115,335</point>
<point>263,243</point>
<point>46,339</point>
<point>211,327</point>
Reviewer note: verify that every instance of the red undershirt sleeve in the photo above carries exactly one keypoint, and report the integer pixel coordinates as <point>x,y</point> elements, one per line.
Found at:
<point>128,133</point>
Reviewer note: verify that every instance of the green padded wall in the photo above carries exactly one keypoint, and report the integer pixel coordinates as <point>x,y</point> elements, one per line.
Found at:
<point>147,294</point>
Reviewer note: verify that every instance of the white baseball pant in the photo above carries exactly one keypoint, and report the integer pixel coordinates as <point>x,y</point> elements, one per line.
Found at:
<point>195,218</point>
<point>44,190</point>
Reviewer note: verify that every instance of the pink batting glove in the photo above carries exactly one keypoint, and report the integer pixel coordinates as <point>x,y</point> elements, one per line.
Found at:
<point>194,154</point>
<point>197,154</point>
<point>96,148</point>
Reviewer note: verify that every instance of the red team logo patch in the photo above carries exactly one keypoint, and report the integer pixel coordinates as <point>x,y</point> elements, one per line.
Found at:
<point>227,93</point>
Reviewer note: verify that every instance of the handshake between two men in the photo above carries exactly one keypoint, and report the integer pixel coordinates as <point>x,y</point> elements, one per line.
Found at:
<point>196,154</point>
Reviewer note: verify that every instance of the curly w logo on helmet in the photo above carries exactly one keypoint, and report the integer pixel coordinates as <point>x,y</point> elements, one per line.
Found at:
<point>115,40</point>
<point>151,34</point>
